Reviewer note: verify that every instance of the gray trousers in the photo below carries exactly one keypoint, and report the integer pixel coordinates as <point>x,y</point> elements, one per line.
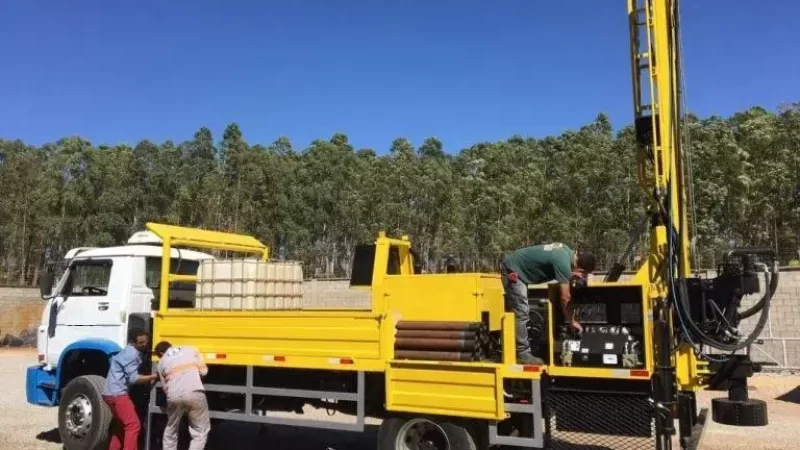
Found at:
<point>195,406</point>
<point>516,297</point>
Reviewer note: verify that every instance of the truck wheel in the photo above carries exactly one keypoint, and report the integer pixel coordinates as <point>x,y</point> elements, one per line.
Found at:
<point>84,419</point>
<point>418,433</point>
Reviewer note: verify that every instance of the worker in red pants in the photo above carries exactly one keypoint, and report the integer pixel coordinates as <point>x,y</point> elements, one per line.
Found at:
<point>123,373</point>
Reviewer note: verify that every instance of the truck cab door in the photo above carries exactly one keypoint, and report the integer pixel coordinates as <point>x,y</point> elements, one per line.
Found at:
<point>87,306</point>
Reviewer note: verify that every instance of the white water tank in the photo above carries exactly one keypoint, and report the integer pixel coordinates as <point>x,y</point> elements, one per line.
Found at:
<point>249,284</point>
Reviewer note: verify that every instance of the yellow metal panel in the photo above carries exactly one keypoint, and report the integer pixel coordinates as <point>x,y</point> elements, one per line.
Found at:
<point>473,391</point>
<point>510,368</point>
<point>333,347</point>
<point>298,362</point>
<point>382,247</point>
<point>491,289</point>
<point>583,372</point>
<point>254,337</point>
<point>451,297</point>
<point>163,296</point>
<point>450,377</point>
<point>509,339</point>
<point>689,370</point>
<point>388,330</point>
<point>308,314</point>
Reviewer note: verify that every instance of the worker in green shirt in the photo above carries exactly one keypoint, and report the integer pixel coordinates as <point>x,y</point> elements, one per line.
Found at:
<point>540,264</point>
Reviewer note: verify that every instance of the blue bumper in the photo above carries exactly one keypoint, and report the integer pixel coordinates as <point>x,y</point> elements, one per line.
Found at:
<point>41,387</point>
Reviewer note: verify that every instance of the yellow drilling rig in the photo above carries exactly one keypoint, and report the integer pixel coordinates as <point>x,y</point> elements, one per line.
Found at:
<point>431,355</point>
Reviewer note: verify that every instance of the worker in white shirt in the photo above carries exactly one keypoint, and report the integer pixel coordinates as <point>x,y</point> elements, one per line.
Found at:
<point>180,369</point>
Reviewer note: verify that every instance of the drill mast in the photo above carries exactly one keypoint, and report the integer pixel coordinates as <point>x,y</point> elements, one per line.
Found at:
<point>655,58</point>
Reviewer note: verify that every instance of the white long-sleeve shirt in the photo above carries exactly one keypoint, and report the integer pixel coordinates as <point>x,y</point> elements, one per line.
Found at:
<point>179,371</point>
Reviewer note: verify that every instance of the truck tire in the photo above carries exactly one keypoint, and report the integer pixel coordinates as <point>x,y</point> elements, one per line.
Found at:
<point>415,433</point>
<point>84,419</point>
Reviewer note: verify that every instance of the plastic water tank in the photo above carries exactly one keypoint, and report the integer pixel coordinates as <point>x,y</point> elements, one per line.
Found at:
<point>249,284</point>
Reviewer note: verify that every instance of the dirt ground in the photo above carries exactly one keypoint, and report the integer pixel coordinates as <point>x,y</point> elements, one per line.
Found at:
<point>26,427</point>
<point>782,393</point>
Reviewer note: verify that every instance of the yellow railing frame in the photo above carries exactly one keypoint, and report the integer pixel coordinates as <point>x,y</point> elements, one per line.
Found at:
<point>175,236</point>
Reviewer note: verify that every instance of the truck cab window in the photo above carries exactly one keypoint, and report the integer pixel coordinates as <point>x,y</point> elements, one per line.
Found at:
<point>88,279</point>
<point>182,295</point>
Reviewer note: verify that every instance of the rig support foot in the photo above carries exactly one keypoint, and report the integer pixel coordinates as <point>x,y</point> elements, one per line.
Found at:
<point>738,409</point>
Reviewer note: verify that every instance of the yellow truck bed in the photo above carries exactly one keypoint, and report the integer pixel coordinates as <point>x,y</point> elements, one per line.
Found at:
<point>302,339</point>
<point>344,340</point>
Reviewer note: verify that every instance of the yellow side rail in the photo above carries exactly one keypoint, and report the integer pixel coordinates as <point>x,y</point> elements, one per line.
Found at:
<point>175,236</point>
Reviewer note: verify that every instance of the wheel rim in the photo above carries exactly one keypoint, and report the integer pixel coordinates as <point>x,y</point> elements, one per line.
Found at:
<point>79,416</point>
<point>421,434</point>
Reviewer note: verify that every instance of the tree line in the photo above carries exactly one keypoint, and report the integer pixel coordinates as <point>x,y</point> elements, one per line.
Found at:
<point>315,204</point>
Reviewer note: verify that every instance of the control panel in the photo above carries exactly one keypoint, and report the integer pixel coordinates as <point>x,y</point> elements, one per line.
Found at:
<point>613,324</point>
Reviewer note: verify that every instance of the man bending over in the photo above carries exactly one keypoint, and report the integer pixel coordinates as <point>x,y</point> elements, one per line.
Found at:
<point>180,369</point>
<point>540,264</point>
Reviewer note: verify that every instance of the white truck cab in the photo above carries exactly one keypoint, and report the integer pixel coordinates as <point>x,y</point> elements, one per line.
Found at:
<point>102,293</point>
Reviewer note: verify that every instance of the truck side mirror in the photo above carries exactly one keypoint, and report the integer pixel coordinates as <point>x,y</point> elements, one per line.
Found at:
<point>46,284</point>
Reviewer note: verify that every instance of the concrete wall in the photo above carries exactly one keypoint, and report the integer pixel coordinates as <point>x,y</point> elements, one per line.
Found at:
<point>334,294</point>
<point>781,335</point>
<point>20,309</point>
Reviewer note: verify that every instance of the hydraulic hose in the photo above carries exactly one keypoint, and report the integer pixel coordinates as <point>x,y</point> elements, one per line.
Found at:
<point>681,298</point>
<point>712,342</point>
<point>772,281</point>
<point>682,305</point>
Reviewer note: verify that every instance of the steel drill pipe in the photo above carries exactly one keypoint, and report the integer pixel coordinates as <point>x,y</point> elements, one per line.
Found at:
<point>450,326</point>
<point>435,344</point>
<point>434,356</point>
<point>436,334</point>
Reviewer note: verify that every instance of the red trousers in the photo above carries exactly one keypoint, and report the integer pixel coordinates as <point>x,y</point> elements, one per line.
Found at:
<point>126,430</point>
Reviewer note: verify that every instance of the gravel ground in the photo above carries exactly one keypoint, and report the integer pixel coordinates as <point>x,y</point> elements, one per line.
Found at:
<point>782,393</point>
<point>26,427</point>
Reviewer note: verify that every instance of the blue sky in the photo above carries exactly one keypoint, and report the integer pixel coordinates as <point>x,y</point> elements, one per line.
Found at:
<point>463,71</point>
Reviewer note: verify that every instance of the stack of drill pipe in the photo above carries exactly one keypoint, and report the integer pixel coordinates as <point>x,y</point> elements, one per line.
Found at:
<point>439,341</point>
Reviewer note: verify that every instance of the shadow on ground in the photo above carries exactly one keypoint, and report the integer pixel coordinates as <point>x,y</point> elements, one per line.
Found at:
<point>49,436</point>
<point>792,396</point>
<point>293,438</point>
<point>243,436</point>
<point>252,437</point>
<point>290,438</point>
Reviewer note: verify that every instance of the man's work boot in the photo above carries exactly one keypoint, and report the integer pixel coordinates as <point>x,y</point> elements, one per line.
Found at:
<point>529,359</point>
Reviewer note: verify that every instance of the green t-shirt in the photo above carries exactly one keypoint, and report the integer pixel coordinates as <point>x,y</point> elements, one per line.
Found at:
<point>542,263</point>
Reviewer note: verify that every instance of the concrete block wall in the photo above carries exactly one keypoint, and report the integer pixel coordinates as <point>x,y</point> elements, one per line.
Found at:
<point>781,335</point>
<point>334,294</point>
<point>20,309</point>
